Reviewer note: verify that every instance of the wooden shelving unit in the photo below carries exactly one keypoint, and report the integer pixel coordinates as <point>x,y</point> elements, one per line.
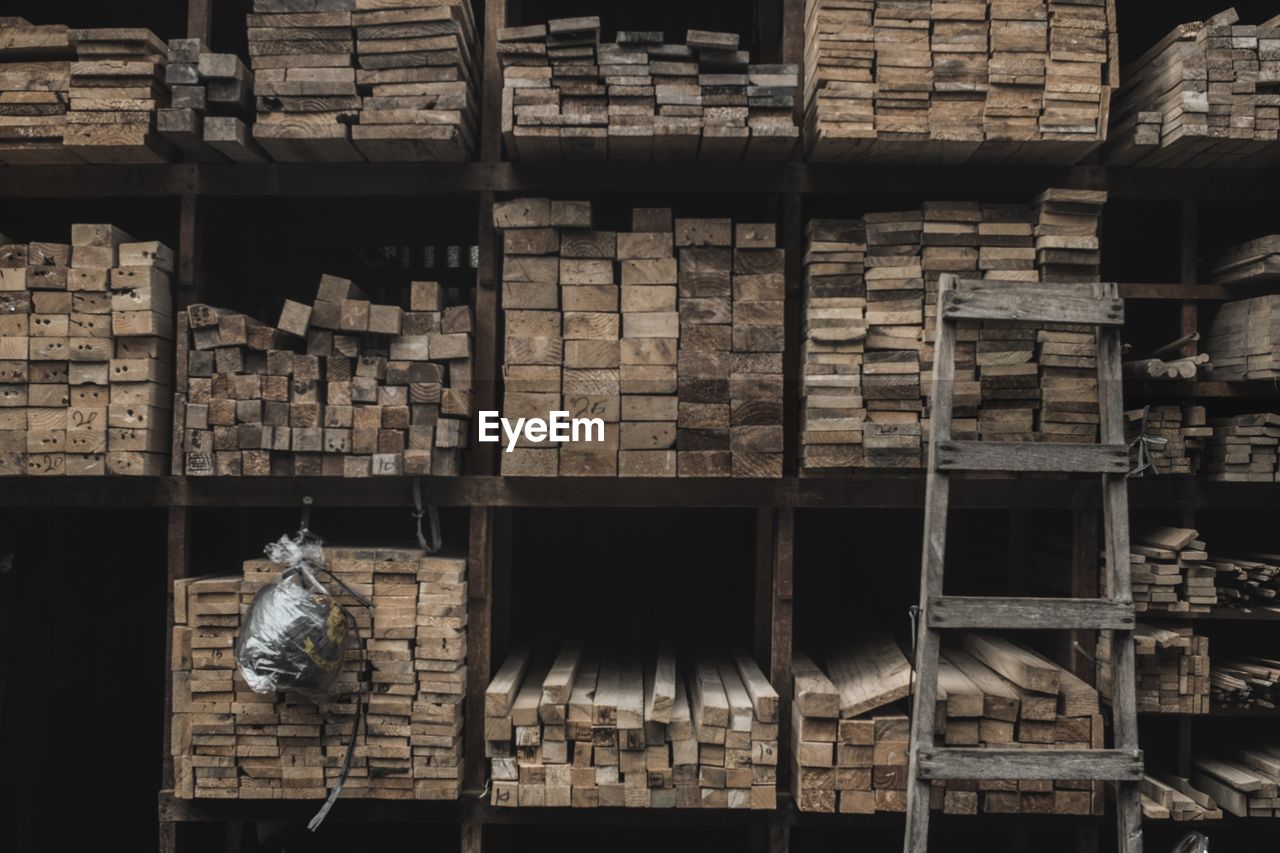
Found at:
<point>488,499</point>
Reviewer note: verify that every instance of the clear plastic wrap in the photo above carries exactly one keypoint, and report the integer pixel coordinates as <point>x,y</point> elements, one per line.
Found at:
<point>295,634</point>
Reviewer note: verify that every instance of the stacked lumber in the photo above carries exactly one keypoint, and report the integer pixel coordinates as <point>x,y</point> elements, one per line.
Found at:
<point>1202,96</point>
<point>871,314</point>
<point>1169,797</point>
<point>210,105</point>
<point>351,80</point>
<point>671,334</point>
<point>1172,669</point>
<point>343,387</point>
<point>567,96</point>
<point>850,747</point>
<point>1243,448</point>
<point>1252,682</point>
<point>417,73</point>
<point>989,81</point>
<point>70,96</point>
<point>599,731</point>
<point>1244,339</point>
<point>35,81</point>
<point>86,343</point>
<point>1244,781</point>
<point>229,742</point>
<point>1246,581</point>
<point>1169,573</point>
<point>116,86</point>
<point>1173,437</point>
<point>1253,262</point>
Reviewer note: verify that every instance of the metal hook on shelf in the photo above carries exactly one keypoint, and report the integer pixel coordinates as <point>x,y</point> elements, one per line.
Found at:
<point>304,526</point>
<point>433,521</point>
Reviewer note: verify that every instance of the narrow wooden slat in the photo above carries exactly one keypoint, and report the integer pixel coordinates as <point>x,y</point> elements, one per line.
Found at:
<point>932,560</point>
<point>1030,613</point>
<point>1033,456</point>
<point>1025,305</point>
<point>980,763</point>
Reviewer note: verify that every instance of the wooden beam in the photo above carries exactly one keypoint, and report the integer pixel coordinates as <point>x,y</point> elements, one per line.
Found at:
<point>200,19</point>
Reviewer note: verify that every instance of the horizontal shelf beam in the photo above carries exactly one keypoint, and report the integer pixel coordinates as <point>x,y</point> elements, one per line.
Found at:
<point>859,490</point>
<point>412,179</point>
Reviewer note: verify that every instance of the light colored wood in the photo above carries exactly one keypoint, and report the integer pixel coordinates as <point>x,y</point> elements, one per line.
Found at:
<point>661,699</point>
<point>1014,663</point>
<point>506,683</point>
<point>1065,764</point>
<point>815,695</point>
<point>1013,613</point>
<point>869,673</point>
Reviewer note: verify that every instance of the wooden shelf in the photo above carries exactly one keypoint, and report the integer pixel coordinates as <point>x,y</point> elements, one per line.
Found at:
<point>816,179</point>
<point>1214,711</point>
<point>859,490</point>
<point>1225,614</point>
<point>1264,389</point>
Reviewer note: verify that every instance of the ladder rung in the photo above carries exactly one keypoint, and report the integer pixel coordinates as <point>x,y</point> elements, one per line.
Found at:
<point>1026,305</point>
<point>1032,456</point>
<point>955,611</point>
<point>1096,765</point>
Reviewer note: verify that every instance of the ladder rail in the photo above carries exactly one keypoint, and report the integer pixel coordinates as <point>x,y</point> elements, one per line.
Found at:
<point>937,498</point>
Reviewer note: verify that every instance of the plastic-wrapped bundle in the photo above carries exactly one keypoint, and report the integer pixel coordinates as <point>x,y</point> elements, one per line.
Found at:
<point>295,634</point>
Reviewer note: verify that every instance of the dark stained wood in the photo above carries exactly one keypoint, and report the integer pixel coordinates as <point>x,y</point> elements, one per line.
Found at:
<point>793,244</point>
<point>178,559</point>
<point>1084,584</point>
<point>782,634</point>
<point>479,630</point>
<point>200,19</point>
<point>1189,313</point>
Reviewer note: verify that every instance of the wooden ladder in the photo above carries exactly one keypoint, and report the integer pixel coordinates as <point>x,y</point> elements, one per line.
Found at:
<point>1084,304</point>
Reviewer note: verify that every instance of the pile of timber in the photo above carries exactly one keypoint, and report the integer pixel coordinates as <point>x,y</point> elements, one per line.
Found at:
<point>1250,682</point>
<point>870,303</point>
<point>1202,96</point>
<point>847,758</point>
<point>1169,571</point>
<point>71,96</point>
<point>567,96</point>
<point>210,105</point>
<point>1169,797</point>
<point>670,333</point>
<point>1175,437</point>
<point>86,355</point>
<point>1244,339</point>
<point>1243,448</point>
<point>229,742</point>
<point>342,387</point>
<point>350,80</point>
<point>1172,668</point>
<point>117,83</point>
<point>1247,581</point>
<point>599,731</point>
<point>1244,781</point>
<point>1254,262</point>
<point>35,84</point>
<point>980,80</point>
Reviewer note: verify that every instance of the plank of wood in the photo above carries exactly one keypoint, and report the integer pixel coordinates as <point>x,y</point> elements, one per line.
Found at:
<point>661,699</point>
<point>506,683</point>
<point>1023,668</point>
<point>815,695</point>
<point>869,672</point>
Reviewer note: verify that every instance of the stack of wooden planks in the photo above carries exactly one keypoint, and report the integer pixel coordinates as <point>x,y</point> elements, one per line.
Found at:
<point>1244,781</point>
<point>1247,581</point>
<point>850,748</point>
<point>590,731</point>
<point>210,105</point>
<point>350,80</point>
<point>870,305</point>
<point>1202,96</point>
<point>567,96</point>
<point>1251,682</point>
<point>117,82</point>
<point>1172,668</point>
<point>1175,437</point>
<point>341,387</point>
<point>1243,448</point>
<point>70,96</point>
<point>1244,339</point>
<point>670,333</point>
<point>1169,573</point>
<point>417,73</point>
<point>1169,797</point>
<point>1253,262</point>
<point>35,81</point>
<point>229,742</point>
<point>980,81</point>
<point>86,355</point>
